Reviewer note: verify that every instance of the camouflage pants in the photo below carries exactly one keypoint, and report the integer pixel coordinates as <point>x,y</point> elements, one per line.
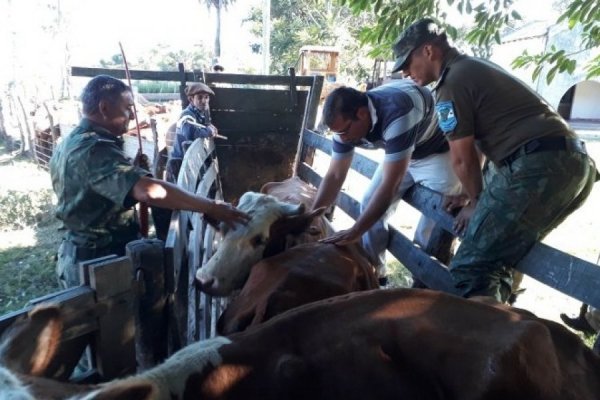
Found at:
<point>520,204</point>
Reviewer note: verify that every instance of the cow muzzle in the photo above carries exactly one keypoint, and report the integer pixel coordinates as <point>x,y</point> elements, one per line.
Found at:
<point>210,286</point>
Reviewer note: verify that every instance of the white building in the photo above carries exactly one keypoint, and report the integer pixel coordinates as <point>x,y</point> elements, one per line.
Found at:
<point>575,97</point>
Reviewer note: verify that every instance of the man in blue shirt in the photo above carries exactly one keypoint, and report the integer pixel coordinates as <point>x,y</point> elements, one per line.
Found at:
<point>194,121</point>
<point>395,117</point>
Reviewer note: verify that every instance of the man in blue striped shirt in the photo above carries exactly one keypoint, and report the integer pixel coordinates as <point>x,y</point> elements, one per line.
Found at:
<point>396,117</point>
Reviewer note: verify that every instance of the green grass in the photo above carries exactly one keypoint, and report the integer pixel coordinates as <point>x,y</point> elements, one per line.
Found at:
<point>29,233</point>
<point>27,272</point>
<point>398,275</point>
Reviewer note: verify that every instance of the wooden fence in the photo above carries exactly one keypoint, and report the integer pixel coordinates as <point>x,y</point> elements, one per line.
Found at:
<point>573,276</point>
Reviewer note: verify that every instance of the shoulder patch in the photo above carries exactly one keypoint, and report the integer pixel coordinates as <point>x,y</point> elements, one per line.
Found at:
<point>446,116</point>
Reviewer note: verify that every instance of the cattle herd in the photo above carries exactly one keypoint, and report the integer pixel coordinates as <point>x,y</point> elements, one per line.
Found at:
<point>311,323</point>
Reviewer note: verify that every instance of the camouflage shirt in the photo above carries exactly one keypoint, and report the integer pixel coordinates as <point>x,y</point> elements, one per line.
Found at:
<point>92,176</point>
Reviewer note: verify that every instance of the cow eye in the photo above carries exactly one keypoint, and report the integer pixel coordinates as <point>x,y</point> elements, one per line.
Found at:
<point>257,240</point>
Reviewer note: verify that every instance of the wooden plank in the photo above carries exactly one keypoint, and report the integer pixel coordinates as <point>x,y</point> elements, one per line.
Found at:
<point>84,267</point>
<point>247,162</point>
<point>308,174</point>
<point>360,163</point>
<point>78,304</point>
<point>207,182</point>
<point>256,100</point>
<point>244,122</point>
<point>424,267</point>
<point>194,260</point>
<point>206,302</point>
<point>111,277</point>
<point>190,76</point>
<point>245,79</point>
<point>193,162</point>
<point>318,141</point>
<point>173,251</point>
<point>203,302</point>
<point>78,312</point>
<point>135,74</point>
<point>147,262</point>
<point>312,108</point>
<point>115,342</point>
<point>568,274</point>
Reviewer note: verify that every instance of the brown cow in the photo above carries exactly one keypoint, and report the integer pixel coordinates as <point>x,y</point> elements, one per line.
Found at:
<point>300,275</point>
<point>279,221</point>
<point>380,344</point>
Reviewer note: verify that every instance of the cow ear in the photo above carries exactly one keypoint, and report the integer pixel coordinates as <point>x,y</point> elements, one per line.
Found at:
<point>30,344</point>
<point>126,391</point>
<point>289,209</point>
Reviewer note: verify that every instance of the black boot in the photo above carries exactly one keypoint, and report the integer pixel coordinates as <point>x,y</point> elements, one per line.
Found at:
<point>579,323</point>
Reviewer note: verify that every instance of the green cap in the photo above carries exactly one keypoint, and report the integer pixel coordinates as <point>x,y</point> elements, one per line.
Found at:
<point>414,36</point>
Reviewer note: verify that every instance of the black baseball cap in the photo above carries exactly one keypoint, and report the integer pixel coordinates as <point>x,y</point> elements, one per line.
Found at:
<point>414,36</point>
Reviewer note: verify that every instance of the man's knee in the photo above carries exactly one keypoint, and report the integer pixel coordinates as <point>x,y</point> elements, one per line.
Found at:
<point>481,281</point>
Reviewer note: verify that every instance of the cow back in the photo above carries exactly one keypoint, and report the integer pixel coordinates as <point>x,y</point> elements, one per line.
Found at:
<point>298,276</point>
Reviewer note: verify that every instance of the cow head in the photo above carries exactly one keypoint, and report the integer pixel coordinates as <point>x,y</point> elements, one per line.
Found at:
<point>265,234</point>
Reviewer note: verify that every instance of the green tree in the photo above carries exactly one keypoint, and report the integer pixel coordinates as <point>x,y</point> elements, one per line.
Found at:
<point>393,16</point>
<point>491,18</point>
<point>578,12</point>
<point>218,5</point>
<point>296,23</point>
<point>162,57</point>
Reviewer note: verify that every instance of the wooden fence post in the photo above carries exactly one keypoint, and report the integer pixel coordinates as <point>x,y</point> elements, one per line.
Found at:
<point>114,344</point>
<point>147,258</point>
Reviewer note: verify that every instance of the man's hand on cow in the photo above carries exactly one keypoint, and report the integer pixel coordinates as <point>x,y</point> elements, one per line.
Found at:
<point>452,202</point>
<point>343,237</point>
<point>461,221</point>
<point>228,214</point>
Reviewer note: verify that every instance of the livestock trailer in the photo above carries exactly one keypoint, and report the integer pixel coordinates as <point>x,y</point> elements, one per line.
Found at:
<point>269,123</point>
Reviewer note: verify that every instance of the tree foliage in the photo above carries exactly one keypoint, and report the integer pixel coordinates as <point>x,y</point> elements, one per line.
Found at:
<point>585,13</point>
<point>491,18</point>
<point>163,57</point>
<point>393,16</point>
<point>295,23</point>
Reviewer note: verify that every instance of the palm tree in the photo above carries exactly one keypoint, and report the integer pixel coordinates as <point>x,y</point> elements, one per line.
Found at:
<point>218,5</point>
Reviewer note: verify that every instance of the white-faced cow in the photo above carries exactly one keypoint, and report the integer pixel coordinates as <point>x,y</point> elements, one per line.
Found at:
<point>380,345</point>
<point>279,221</point>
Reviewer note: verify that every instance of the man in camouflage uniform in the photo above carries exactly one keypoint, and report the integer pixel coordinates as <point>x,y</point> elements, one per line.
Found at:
<point>97,185</point>
<point>538,170</point>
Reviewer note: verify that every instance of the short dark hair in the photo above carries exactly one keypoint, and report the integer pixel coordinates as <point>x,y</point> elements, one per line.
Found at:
<point>345,102</point>
<point>101,87</point>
